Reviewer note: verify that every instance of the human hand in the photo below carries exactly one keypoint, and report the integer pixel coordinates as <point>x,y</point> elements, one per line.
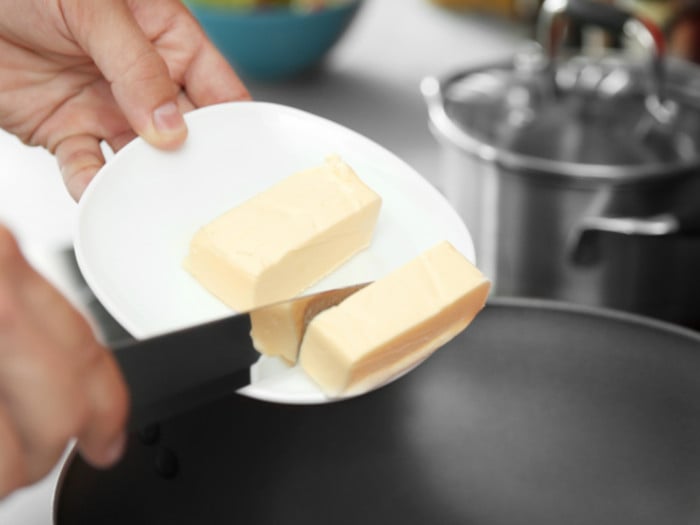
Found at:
<point>76,72</point>
<point>56,381</point>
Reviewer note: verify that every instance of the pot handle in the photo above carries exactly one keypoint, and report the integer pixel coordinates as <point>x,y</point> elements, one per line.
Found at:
<point>550,33</point>
<point>602,15</point>
<point>583,245</point>
<point>606,16</point>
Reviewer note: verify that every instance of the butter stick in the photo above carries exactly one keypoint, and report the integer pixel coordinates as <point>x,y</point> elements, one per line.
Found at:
<point>277,330</point>
<point>286,238</point>
<point>395,322</point>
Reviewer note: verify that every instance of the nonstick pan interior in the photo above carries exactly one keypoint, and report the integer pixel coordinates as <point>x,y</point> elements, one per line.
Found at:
<point>536,414</point>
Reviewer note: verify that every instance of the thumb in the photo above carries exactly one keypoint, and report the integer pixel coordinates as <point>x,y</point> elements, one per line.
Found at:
<point>139,77</point>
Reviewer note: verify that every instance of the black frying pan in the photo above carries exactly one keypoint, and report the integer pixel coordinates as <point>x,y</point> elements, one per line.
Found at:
<point>537,414</point>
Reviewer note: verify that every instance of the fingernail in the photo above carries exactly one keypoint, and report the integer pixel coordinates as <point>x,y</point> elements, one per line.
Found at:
<point>116,449</point>
<point>167,118</point>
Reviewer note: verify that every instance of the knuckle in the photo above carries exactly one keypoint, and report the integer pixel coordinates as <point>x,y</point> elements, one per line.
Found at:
<point>79,159</point>
<point>80,162</point>
<point>144,69</point>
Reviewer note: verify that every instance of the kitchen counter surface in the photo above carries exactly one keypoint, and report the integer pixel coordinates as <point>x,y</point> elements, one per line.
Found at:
<point>369,83</point>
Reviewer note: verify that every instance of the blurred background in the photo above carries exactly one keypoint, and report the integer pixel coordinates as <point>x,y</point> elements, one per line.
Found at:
<point>575,166</point>
<point>272,39</point>
<point>624,236</point>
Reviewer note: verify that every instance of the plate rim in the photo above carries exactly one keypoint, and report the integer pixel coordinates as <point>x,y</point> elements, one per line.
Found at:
<point>419,184</point>
<point>104,298</point>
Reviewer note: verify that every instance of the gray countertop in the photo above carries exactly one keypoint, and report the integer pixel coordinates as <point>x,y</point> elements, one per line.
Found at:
<point>370,83</point>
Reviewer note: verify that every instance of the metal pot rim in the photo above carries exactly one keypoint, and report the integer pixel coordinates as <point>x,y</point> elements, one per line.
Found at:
<point>594,172</point>
<point>446,130</point>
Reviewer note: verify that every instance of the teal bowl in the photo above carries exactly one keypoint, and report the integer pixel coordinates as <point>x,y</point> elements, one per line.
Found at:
<point>274,43</point>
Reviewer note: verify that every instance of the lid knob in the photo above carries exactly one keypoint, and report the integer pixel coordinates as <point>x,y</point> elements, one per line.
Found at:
<point>552,24</point>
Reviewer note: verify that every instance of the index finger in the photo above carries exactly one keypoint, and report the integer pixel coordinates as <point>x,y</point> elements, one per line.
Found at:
<point>210,79</point>
<point>194,61</point>
<point>138,75</point>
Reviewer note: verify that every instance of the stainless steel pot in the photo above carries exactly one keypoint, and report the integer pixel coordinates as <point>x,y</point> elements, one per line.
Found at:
<point>579,177</point>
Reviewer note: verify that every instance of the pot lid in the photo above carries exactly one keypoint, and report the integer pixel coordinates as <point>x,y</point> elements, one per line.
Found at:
<point>616,115</point>
<point>590,111</point>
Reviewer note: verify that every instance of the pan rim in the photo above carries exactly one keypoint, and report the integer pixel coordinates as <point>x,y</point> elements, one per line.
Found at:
<point>602,312</point>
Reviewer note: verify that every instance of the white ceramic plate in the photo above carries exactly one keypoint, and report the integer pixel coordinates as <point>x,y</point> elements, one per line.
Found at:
<point>137,216</point>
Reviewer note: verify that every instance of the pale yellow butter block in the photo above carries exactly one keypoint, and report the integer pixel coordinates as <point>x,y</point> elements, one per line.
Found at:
<point>277,330</point>
<point>392,324</point>
<point>286,238</point>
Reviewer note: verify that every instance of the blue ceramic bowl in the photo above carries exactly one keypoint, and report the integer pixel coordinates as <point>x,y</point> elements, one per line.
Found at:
<point>273,43</point>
